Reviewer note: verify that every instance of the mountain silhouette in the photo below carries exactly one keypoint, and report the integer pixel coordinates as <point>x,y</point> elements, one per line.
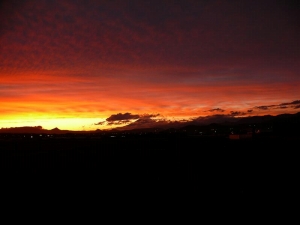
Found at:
<point>32,130</point>
<point>283,121</point>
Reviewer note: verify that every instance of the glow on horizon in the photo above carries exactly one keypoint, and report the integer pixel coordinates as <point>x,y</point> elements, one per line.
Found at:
<point>89,124</point>
<point>72,124</point>
<point>72,64</point>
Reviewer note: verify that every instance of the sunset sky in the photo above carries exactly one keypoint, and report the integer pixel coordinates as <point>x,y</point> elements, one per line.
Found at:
<point>86,65</point>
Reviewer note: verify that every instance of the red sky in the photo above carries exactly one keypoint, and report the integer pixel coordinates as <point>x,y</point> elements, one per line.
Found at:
<point>73,64</point>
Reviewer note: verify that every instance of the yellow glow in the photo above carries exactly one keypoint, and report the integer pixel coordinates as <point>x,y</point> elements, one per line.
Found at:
<point>61,123</point>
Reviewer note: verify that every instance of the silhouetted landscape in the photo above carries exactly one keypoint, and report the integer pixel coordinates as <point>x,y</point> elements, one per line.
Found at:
<point>255,156</point>
<point>111,101</point>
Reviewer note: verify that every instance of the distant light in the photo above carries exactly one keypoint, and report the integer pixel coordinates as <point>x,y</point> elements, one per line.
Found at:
<point>31,136</point>
<point>112,136</point>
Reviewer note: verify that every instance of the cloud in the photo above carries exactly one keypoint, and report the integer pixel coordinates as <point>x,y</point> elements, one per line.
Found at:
<point>100,123</point>
<point>295,102</point>
<point>297,107</point>
<point>290,103</point>
<point>263,107</point>
<point>284,105</point>
<point>237,113</point>
<point>122,117</point>
<point>133,59</point>
<point>148,116</point>
<point>126,118</point>
<point>118,122</point>
<point>149,121</point>
<point>216,110</point>
<point>250,111</point>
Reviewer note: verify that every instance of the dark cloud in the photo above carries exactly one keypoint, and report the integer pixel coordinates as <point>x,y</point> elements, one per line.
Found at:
<point>250,111</point>
<point>295,102</point>
<point>100,123</point>
<point>118,122</point>
<point>291,103</point>
<point>127,118</point>
<point>184,121</point>
<point>216,110</point>
<point>279,106</point>
<point>129,32</point>
<point>147,123</point>
<point>122,117</point>
<point>297,107</point>
<point>283,107</point>
<point>237,113</point>
<point>148,116</point>
<point>263,107</point>
<point>159,54</point>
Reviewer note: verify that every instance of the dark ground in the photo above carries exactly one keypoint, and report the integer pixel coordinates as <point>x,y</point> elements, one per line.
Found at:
<point>183,168</point>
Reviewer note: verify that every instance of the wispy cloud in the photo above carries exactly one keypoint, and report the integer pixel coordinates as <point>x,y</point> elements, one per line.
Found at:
<point>263,107</point>
<point>127,118</point>
<point>100,123</point>
<point>237,113</point>
<point>216,110</point>
<point>284,105</point>
<point>122,116</point>
<point>89,58</point>
<point>297,107</point>
<point>296,102</point>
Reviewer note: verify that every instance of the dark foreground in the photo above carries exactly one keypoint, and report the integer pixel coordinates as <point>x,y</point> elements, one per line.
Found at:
<point>193,168</point>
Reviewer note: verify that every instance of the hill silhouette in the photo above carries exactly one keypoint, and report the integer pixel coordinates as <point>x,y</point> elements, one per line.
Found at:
<point>282,121</point>
<point>32,130</point>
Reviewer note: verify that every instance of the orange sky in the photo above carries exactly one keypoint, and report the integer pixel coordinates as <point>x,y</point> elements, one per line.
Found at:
<point>73,65</point>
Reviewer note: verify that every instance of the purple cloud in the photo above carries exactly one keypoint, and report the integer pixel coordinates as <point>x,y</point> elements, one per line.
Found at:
<point>237,113</point>
<point>100,123</point>
<point>263,107</point>
<point>216,110</point>
<point>291,103</point>
<point>280,106</point>
<point>122,117</point>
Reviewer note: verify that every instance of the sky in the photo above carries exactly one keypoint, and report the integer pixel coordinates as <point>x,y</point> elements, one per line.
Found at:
<point>86,65</point>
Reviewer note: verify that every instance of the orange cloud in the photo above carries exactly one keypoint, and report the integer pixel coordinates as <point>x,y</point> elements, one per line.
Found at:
<point>62,59</point>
